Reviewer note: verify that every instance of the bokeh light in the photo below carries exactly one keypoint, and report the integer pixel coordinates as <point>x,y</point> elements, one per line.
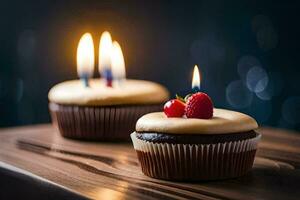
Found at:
<point>274,87</point>
<point>238,95</point>
<point>257,79</point>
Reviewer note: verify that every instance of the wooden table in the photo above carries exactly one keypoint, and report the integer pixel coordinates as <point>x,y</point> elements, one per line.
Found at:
<point>111,171</point>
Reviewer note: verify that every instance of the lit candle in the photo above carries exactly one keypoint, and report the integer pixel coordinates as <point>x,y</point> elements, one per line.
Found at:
<point>85,58</point>
<point>196,80</point>
<point>118,63</point>
<point>105,51</point>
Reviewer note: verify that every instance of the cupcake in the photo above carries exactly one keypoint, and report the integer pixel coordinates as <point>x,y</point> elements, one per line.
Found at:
<point>103,113</point>
<point>193,141</point>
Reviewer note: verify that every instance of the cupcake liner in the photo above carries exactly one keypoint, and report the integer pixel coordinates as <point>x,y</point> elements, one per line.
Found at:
<point>195,161</point>
<point>103,123</point>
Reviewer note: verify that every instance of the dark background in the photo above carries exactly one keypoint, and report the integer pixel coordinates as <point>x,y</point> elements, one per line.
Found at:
<point>247,51</point>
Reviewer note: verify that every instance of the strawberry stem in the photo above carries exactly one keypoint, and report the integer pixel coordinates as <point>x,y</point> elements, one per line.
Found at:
<point>180,98</point>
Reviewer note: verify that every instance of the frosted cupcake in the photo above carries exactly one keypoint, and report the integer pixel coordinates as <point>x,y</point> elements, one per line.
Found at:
<point>194,141</point>
<point>102,113</point>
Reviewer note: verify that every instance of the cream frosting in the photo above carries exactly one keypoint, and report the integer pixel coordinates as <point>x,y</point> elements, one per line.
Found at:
<point>128,92</point>
<point>223,121</point>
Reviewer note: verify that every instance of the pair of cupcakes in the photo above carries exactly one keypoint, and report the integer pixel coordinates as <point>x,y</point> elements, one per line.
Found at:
<point>191,141</point>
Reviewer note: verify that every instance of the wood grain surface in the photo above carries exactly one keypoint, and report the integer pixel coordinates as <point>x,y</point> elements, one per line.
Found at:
<point>111,171</point>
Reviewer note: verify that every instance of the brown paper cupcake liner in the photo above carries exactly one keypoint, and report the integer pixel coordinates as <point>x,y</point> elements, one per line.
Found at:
<point>103,123</point>
<point>194,162</point>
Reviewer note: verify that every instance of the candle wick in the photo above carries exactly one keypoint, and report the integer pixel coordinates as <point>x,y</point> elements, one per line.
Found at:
<point>108,77</point>
<point>118,82</point>
<point>109,83</point>
<point>196,89</point>
<point>86,82</point>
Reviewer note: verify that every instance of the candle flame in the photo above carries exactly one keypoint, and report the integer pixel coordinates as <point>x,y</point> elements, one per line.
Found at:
<point>85,56</point>
<point>196,78</point>
<point>105,49</point>
<point>117,62</point>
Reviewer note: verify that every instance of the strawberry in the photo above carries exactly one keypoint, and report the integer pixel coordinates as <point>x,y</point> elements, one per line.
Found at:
<point>174,108</point>
<point>199,105</point>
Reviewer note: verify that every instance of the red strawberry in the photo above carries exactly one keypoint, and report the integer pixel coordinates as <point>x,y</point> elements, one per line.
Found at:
<point>174,108</point>
<point>199,105</point>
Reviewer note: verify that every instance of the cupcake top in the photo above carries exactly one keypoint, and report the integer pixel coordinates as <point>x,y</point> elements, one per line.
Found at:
<point>129,92</point>
<point>222,122</point>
